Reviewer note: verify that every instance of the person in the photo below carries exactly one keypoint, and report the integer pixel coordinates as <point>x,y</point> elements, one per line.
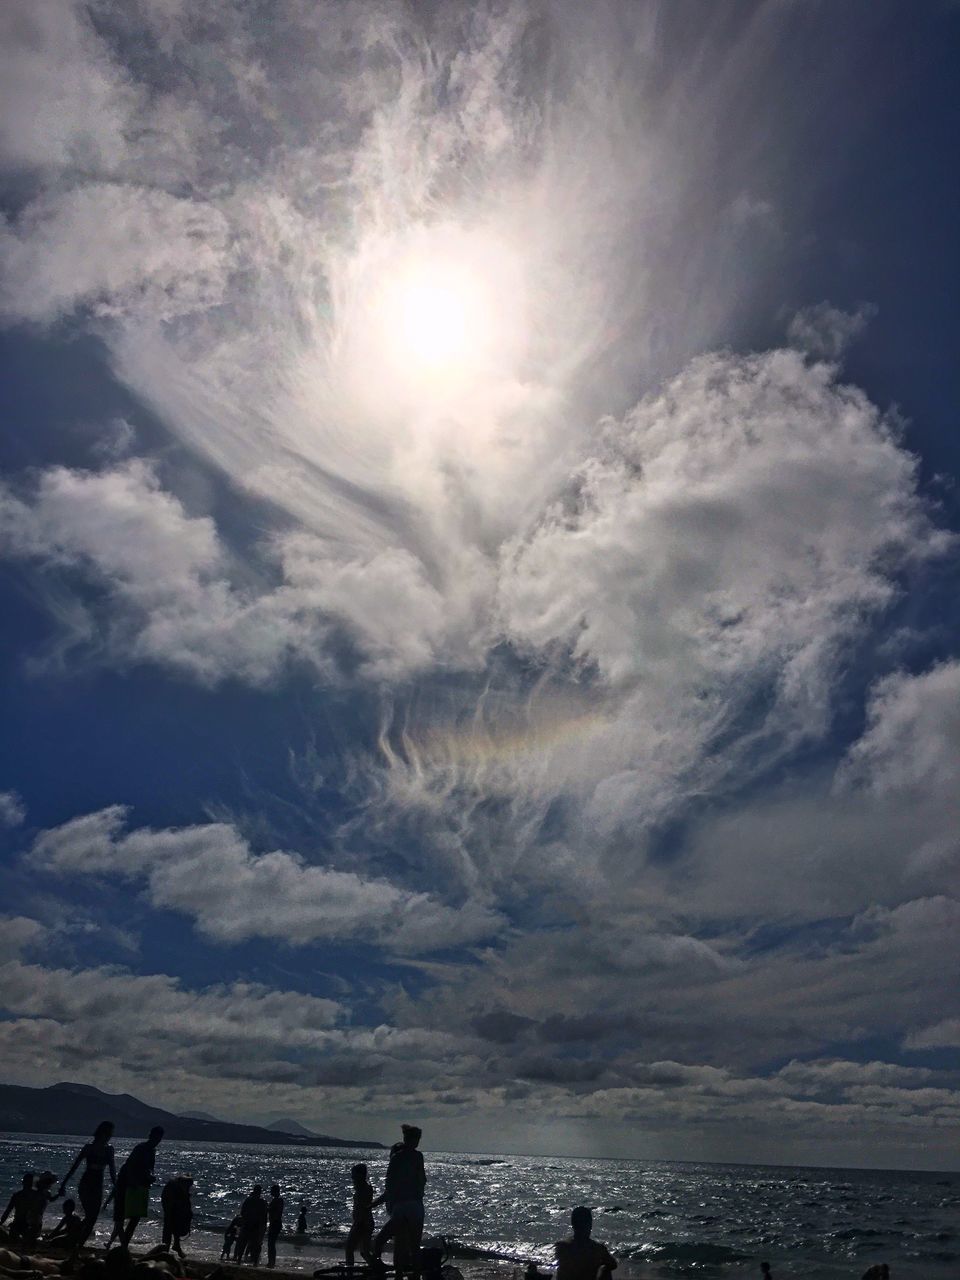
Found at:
<point>360,1235</point>
<point>879,1271</point>
<point>20,1205</point>
<point>253,1223</point>
<point>177,1212</point>
<point>230,1238</point>
<point>581,1258</point>
<point>98,1155</point>
<point>765,1271</point>
<point>302,1220</point>
<point>403,1193</point>
<point>70,1227</point>
<point>274,1224</point>
<point>131,1191</point>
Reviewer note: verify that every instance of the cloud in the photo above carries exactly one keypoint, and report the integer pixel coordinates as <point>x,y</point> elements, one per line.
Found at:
<point>210,873</point>
<point>63,101</point>
<point>12,809</point>
<point>825,331</point>
<point>163,257</point>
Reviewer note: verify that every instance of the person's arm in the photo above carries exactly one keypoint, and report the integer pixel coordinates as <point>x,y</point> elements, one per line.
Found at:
<point>112,1167</point>
<point>609,1262</point>
<point>73,1169</point>
<point>8,1210</point>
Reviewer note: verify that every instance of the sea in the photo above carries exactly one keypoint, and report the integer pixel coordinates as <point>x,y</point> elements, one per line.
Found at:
<point>663,1219</point>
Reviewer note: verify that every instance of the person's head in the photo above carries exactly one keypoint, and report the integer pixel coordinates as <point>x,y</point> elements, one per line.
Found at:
<point>47,1179</point>
<point>359,1175</point>
<point>69,1206</point>
<point>765,1268</point>
<point>184,1180</point>
<point>582,1221</point>
<point>156,1135</point>
<point>104,1131</point>
<point>411,1135</point>
<point>257,1190</point>
<point>27,1181</point>
<point>303,1206</point>
<point>274,1190</point>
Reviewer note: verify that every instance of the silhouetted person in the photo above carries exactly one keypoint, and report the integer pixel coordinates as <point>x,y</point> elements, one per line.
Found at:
<point>765,1271</point>
<point>230,1237</point>
<point>253,1224</point>
<point>21,1206</point>
<point>880,1271</point>
<point>98,1155</point>
<point>177,1212</point>
<point>302,1221</point>
<point>581,1258</point>
<point>360,1236</point>
<point>274,1224</point>
<point>533,1272</point>
<point>70,1227</point>
<point>131,1191</point>
<point>403,1193</point>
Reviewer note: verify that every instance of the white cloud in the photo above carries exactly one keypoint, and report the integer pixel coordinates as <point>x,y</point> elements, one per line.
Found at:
<point>117,250</point>
<point>12,809</point>
<point>63,102</point>
<point>824,331</point>
<point>210,873</point>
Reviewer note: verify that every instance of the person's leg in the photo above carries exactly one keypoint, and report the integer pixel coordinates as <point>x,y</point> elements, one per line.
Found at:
<point>382,1236</point>
<point>272,1237</point>
<point>240,1247</point>
<point>167,1233</point>
<point>351,1244</point>
<point>127,1234</point>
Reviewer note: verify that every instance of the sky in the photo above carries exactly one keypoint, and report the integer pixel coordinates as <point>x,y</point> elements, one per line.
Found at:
<point>478,569</point>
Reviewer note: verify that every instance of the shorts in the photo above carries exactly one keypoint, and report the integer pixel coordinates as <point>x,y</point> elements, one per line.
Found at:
<point>136,1201</point>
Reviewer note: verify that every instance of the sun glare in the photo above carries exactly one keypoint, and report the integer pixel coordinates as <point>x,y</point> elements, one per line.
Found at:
<point>434,320</point>
<point>435,315</point>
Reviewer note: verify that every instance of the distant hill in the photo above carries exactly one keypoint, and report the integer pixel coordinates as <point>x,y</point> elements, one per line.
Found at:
<point>290,1126</point>
<point>79,1108</point>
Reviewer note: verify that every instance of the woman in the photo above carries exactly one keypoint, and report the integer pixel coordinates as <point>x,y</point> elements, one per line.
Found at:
<point>98,1155</point>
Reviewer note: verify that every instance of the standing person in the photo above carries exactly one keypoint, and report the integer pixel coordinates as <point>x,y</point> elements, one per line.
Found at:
<point>253,1223</point>
<point>581,1258</point>
<point>302,1220</point>
<point>403,1193</point>
<point>98,1155</point>
<point>131,1191</point>
<point>274,1224</point>
<point>360,1236</point>
<point>177,1212</point>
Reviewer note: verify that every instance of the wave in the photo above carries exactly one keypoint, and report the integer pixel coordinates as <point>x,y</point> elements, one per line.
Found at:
<point>684,1251</point>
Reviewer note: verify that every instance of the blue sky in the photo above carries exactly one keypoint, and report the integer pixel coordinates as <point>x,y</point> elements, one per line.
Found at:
<point>478,500</point>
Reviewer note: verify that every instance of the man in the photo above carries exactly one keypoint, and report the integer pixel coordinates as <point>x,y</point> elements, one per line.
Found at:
<point>274,1224</point>
<point>403,1195</point>
<point>581,1258</point>
<point>132,1191</point>
<point>253,1224</point>
<point>177,1212</point>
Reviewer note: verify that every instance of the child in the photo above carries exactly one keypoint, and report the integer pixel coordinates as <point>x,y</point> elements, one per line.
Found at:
<point>361,1228</point>
<point>70,1227</point>
<point>230,1238</point>
<point>302,1220</point>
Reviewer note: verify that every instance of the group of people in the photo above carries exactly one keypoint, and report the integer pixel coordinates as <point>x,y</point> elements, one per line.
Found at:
<point>130,1193</point>
<point>257,1220</point>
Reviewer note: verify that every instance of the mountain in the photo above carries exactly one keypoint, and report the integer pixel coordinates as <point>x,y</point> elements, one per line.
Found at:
<point>290,1126</point>
<point>198,1115</point>
<point>79,1108</point>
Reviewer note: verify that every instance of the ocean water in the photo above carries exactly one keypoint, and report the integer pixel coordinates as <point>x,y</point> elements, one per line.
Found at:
<point>662,1219</point>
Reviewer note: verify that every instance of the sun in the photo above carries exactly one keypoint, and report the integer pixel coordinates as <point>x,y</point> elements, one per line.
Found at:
<point>429,320</point>
<point>435,319</point>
